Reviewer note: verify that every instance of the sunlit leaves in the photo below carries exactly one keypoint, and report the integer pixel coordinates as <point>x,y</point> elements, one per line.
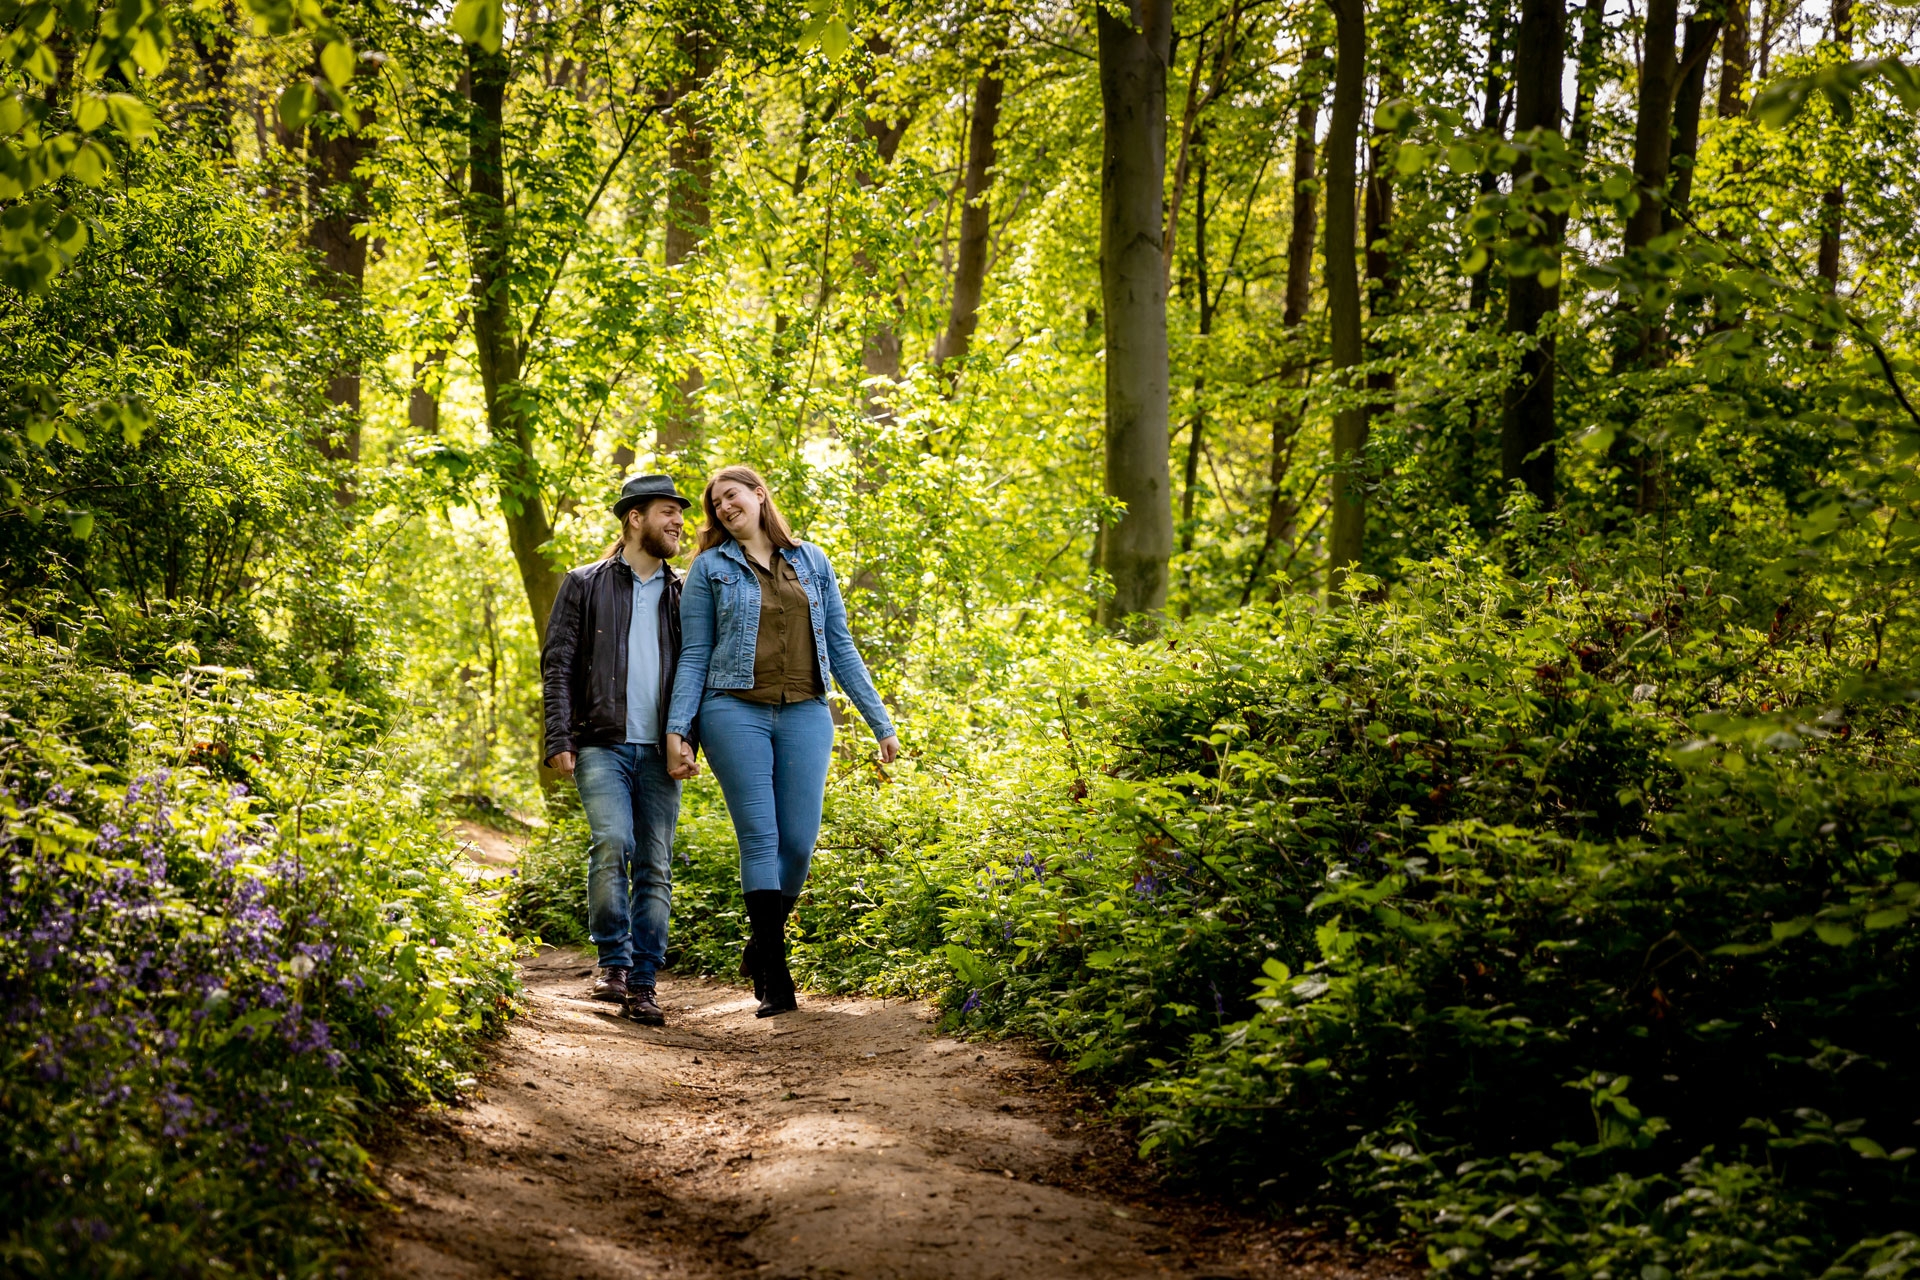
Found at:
<point>1787,97</point>
<point>826,29</point>
<point>481,22</point>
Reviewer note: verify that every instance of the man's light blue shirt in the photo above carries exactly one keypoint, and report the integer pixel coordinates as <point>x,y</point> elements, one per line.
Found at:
<point>643,656</point>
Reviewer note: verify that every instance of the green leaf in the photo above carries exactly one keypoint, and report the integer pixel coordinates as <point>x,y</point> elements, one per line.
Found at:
<point>481,22</point>
<point>80,523</point>
<point>1409,159</point>
<point>966,965</point>
<point>1780,102</point>
<point>1885,918</point>
<point>1102,959</point>
<point>336,62</point>
<point>91,164</point>
<point>90,112</point>
<point>834,39</point>
<point>132,118</point>
<point>1833,933</point>
<point>298,105</point>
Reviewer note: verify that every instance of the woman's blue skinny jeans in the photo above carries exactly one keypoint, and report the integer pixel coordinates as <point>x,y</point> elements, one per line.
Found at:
<point>772,766</point>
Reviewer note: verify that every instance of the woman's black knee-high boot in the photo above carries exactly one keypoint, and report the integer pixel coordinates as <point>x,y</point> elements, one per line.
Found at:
<point>767,910</point>
<point>750,961</point>
<point>750,968</point>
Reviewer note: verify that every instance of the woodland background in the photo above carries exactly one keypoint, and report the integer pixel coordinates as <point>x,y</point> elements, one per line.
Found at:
<point>1390,528</point>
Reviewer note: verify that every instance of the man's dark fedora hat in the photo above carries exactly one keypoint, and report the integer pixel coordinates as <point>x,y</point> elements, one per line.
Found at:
<point>642,489</point>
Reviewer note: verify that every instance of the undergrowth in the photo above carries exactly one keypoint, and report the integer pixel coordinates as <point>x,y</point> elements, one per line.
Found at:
<point>230,932</point>
<point>1567,929</point>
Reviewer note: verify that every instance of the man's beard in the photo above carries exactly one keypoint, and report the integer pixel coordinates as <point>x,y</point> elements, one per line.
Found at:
<point>656,543</point>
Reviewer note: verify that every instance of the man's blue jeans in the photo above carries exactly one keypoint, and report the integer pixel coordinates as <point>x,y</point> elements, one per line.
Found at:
<point>632,806</point>
<point>772,766</point>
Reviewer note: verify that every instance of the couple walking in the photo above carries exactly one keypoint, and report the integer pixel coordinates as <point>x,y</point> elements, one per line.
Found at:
<point>642,670</point>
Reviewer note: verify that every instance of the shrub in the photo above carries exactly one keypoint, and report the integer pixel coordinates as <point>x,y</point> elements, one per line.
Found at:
<point>217,959</point>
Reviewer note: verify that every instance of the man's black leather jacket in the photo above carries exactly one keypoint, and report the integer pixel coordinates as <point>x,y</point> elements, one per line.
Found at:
<point>583,665</point>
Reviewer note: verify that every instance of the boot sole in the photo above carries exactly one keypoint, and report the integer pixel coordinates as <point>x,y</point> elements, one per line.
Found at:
<point>610,997</point>
<point>649,1019</point>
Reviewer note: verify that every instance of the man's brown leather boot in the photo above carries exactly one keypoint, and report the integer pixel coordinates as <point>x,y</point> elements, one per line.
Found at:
<point>611,986</point>
<point>643,1008</point>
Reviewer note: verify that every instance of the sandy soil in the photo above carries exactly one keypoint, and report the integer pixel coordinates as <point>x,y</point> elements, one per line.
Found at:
<point>847,1139</point>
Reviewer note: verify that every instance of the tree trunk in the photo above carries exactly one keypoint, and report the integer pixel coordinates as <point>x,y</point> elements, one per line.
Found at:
<point>880,349</point>
<point>1703,30</point>
<point>337,199</point>
<point>1134,549</point>
<point>1734,60</point>
<point>1348,520</point>
<point>1286,426</point>
<point>689,177</point>
<point>1480,286</point>
<point>976,220</point>
<point>1203,282</point>
<point>496,339</point>
<point>1593,34</point>
<point>1653,123</point>
<point>1833,202</point>
<point>1527,421</point>
<point>1376,220</point>
<point>423,403</point>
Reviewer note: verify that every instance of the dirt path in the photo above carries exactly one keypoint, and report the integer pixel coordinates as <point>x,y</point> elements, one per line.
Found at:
<point>845,1140</point>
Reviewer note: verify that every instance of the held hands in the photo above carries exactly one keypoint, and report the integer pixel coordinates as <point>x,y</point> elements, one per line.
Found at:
<point>681,763</point>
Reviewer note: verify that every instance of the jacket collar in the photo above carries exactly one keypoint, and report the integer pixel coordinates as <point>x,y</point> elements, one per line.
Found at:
<point>615,560</point>
<point>732,549</point>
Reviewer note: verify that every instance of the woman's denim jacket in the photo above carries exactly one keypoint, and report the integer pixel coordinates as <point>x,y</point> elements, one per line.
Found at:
<point>720,623</point>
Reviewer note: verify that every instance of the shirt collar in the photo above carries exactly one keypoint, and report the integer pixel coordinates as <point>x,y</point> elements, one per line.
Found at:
<point>621,556</point>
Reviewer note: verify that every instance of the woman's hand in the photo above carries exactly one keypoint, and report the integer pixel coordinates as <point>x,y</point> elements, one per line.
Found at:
<point>889,749</point>
<point>681,764</point>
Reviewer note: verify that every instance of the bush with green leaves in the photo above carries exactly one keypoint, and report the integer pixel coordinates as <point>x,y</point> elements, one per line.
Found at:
<point>229,933</point>
<point>1568,928</point>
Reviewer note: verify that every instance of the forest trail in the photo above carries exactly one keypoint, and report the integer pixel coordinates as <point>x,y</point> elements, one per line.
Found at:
<point>848,1139</point>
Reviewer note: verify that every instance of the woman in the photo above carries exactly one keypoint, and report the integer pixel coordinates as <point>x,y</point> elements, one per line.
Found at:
<point>763,628</point>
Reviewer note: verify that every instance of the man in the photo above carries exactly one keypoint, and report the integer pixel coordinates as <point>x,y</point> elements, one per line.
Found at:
<point>607,674</point>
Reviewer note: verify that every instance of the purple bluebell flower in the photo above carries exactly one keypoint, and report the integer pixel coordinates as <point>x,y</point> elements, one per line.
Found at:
<point>972,1003</point>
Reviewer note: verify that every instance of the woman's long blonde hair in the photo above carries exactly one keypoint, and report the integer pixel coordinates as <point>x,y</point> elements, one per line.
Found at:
<point>713,533</point>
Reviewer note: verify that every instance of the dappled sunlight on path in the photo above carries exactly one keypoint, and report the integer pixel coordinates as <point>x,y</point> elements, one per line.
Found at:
<point>846,1140</point>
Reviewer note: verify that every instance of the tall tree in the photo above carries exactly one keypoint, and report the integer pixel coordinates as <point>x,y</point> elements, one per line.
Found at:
<point>1696,48</point>
<point>1833,201</point>
<point>1735,57</point>
<point>1586,85</point>
<point>496,332</point>
<point>1348,499</point>
<point>880,351</point>
<point>976,214</point>
<point>1134,52</point>
<point>1376,221</point>
<point>1527,423</point>
<point>689,214</point>
<point>337,198</point>
<point>1286,422</point>
<point>1492,121</point>
<point>1653,122</point>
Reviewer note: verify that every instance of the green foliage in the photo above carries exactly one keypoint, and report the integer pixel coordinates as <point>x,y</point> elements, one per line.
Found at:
<point>1350,908</point>
<point>229,934</point>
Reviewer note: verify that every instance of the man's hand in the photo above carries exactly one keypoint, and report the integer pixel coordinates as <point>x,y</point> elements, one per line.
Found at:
<point>889,749</point>
<point>681,763</point>
<point>562,763</point>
